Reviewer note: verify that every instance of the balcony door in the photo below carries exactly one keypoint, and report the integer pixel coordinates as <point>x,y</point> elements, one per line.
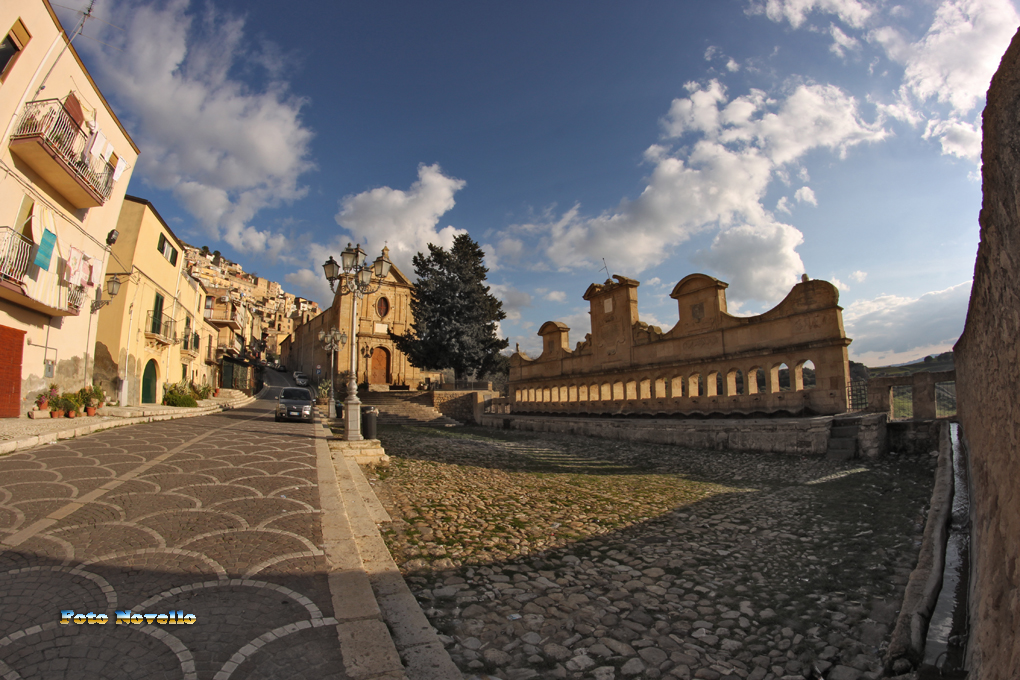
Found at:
<point>157,316</point>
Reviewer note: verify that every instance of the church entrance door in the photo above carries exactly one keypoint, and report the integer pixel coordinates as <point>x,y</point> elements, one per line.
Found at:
<point>379,368</point>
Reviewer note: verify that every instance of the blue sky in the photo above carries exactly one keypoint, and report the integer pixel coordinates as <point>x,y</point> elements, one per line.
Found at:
<point>754,141</point>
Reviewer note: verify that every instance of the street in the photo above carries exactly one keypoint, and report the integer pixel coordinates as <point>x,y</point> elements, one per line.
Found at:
<point>216,517</point>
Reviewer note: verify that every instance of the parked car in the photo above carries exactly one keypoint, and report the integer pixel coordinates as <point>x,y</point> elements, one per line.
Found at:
<point>295,402</point>
<point>300,379</point>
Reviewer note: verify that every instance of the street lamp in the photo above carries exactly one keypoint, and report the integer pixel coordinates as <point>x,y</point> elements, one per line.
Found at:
<point>332,341</point>
<point>112,287</point>
<point>354,279</point>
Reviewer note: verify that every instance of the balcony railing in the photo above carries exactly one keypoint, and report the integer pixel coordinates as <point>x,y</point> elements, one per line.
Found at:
<point>233,346</point>
<point>190,342</point>
<point>226,317</point>
<point>160,327</point>
<point>15,253</point>
<point>46,137</point>
<point>43,291</point>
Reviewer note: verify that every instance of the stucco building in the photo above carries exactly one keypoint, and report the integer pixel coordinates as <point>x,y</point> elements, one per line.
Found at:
<point>154,331</point>
<point>66,162</point>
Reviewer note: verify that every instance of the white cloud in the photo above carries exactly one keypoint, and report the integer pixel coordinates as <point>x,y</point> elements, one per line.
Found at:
<point>404,220</point>
<point>654,281</point>
<point>225,148</point>
<point>806,195</point>
<point>732,66</point>
<point>957,138</point>
<point>513,299</point>
<point>312,285</point>
<point>890,325</point>
<point>783,205</point>
<point>716,180</point>
<point>858,276</point>
<point>841,42</point>
<point>850,12</point>
<point>838,284</point>
<point>759,261</point>
<point>556,296</point>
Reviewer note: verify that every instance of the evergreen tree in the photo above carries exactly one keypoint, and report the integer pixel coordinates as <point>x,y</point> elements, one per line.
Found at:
<point>455,316</point>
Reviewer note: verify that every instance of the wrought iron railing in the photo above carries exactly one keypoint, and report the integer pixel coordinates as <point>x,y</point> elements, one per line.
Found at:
<point>50,121</point>
<point>76,297</point>
<point>190,342</point>
<point>15,254</point>
<point>857,395</point>
<point>161,325</point>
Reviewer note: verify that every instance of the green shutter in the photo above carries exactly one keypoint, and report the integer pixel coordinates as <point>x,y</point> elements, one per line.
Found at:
<point>173,256</point>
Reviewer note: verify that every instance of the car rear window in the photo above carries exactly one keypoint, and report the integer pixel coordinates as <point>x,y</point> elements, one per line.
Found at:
<point>296,394</point>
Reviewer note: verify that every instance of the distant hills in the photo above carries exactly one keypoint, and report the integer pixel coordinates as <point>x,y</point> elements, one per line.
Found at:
<point>935,362</point>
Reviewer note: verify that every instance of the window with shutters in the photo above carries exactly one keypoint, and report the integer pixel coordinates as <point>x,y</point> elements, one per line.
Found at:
<point>11,47</point>
<point>167,249</point>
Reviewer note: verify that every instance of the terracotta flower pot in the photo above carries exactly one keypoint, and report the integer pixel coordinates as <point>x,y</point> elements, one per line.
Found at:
<point>57,414</point>
<point>72,414</point>
<point>44,405</point>
<point>90,410</point>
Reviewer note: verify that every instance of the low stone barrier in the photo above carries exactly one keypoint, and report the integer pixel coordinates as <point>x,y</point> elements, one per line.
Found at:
<point>804,436</point>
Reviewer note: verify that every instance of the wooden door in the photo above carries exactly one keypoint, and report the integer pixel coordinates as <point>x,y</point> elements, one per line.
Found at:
<point>12,342</point>
<point>379,370</point>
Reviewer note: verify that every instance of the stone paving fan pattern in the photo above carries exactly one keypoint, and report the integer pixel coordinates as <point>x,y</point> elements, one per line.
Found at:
<point>772,567</point>
<point>216,516</point>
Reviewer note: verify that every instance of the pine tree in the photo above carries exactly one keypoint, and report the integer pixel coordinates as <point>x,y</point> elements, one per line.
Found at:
<point>455,315</point>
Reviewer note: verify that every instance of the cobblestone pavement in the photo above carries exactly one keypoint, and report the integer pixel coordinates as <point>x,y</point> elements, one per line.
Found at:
<point>215,516</point>
<point>558,556</point>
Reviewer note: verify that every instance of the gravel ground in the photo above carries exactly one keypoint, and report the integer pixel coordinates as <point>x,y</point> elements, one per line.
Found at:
<point>555,556</point>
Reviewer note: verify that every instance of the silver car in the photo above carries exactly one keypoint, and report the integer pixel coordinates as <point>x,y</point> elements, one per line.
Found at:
<point>301,379</point>
<point>295,402</point>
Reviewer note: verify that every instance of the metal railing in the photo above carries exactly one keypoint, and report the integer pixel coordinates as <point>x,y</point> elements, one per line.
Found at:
<point>191,341</point>
<point>161,325</point>
<point>229,345</point>
<point>49,120</point>
<point>223,315</point>
<point>857,395</point>
<point>76,297</point>
<point>15,253</point>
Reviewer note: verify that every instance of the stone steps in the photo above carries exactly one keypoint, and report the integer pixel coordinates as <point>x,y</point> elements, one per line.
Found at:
<point>399,408</point>
<point>843,439</point>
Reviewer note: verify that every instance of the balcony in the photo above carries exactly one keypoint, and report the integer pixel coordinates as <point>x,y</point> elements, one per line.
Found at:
<point>27,285</point>
<point>50,142</point>
<point>224,317</point>
<point>190,343</point>
<point>160,328</point>
<point>233,347</point>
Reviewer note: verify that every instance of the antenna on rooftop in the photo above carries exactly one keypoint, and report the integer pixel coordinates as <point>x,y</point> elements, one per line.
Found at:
<point>606,267</point>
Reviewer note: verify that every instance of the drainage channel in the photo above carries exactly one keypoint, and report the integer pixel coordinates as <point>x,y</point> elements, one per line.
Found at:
<point>945,648</point>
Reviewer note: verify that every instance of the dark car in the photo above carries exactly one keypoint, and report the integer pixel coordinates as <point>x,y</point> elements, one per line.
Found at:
<point>295,402</point>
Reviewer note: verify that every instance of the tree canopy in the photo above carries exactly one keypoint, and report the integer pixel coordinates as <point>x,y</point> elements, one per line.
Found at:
<point>455,315</point>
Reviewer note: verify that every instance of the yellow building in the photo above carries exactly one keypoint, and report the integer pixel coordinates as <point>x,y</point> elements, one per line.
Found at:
<point>66,161</point>
<point>154,331</point>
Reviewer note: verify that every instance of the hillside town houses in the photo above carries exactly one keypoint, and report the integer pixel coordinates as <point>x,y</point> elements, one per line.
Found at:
<point>94,285</point>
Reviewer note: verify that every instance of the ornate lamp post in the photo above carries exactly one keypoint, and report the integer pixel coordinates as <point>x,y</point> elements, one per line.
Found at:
<point>112,287</point>
<point>332,341</point>
<point>356,280</point>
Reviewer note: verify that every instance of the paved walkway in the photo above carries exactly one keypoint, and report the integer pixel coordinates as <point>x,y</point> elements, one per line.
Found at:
<point>230,518</point>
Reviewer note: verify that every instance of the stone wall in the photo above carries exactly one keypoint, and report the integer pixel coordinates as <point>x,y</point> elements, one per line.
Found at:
<point>461,405</point>
<point>805,436</point>
<point>987,366</point>
<point>913,436</point>
<point>922,392</point>
<point>710,362</point>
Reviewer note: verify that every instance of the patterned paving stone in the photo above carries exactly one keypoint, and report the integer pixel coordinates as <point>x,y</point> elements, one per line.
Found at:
<point>216,516</point>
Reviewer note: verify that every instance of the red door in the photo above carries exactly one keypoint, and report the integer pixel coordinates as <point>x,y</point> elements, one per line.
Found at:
<point>12,343</point>
<point>380,367</point>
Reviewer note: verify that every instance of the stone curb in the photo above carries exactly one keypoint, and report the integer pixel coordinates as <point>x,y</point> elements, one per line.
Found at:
<point>922,591</point>
<point>422,654</point>
<point>23,443</point>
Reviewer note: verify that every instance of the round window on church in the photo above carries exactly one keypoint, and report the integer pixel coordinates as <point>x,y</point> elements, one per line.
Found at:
<point>383,307</point>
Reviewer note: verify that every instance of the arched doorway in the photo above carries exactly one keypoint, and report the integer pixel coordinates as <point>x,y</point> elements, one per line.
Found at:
<point>379,367</point>
<point>149,379</point>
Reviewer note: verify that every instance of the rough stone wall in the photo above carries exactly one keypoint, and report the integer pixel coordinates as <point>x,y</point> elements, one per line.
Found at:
<point>987,366</point>
<point>458,405</point>
<point>803,436</point>
<point>913,436</point>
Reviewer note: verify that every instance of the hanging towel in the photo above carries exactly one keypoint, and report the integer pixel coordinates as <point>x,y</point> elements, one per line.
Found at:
<point>119,170</point>
<point>108,152</point>
<point>72,269</point>
<point>98,143</point>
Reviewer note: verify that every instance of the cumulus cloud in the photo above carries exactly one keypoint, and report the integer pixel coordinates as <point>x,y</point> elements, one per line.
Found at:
<point>226,148</point>
<point>783,205</point>
<point>406,221</point>
<point>850,12</point>
<point>841,42</point>
<point>859,276</point>
<point>556,296</point>
<point>894,326</point>
<point>838,284</point>
<point>727,152</point>
<point>759,261</point>
<point>513,299</point>
<point>806,195</point>
<point>312,285</point>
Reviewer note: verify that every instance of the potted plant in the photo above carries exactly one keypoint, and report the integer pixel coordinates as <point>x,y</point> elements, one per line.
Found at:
<point>323,390</point>
<point>46,399</point>
<point>87,400</point>
<point>99,394</point>
<point>70,404</point>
